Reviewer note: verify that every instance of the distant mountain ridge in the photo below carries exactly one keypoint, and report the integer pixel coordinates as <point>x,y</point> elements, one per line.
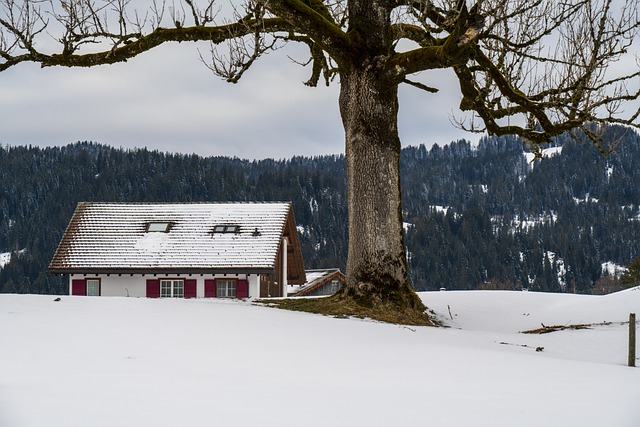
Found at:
<point>475,217</point>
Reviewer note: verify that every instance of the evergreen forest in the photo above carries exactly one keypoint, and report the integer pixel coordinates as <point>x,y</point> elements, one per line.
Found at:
<point>490,216</point>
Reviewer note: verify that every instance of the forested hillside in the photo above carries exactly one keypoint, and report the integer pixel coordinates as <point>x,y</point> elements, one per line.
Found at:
<point>477,217</point>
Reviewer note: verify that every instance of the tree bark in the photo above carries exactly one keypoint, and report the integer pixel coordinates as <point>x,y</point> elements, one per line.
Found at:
<point>376,265</point>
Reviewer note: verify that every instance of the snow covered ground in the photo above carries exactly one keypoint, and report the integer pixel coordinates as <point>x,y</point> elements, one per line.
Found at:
<point>91,361</point>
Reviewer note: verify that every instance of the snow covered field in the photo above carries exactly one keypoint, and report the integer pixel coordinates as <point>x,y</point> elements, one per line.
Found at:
<point>92,362</point>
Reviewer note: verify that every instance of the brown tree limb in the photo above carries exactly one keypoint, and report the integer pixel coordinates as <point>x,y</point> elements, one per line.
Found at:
<point>159,36</point>
<point>316,23</point>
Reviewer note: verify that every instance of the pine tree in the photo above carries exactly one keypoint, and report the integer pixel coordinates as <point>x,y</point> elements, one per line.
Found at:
<point>631,277</point>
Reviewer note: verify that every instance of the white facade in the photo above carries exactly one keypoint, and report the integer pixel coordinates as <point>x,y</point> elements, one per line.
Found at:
<point>135,285</point>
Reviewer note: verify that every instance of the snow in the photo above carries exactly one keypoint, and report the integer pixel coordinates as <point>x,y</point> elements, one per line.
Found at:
<point>528,222</point>
<point>587,199</point>
<point>5,257</point>
<point>546,153</point>
<point>609,172</point>
<point>114,236</point>
<point>105,361</point>
<point>440,209</point>
<point>562,270</point>
<point>152,242</point>
<point>613,269</point>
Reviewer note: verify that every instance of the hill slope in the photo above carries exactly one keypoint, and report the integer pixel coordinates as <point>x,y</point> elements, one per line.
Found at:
<point>86,361</point>
<point>476,217</point>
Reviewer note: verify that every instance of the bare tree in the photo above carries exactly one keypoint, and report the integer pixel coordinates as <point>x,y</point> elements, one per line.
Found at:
<point>533,68</point>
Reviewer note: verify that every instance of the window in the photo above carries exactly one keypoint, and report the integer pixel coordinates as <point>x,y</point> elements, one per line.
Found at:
<point>89,287</point>
<point>226,288</point>
<point>226,228</point>
<point>159,227</point>
<point>171,289</point>
<point>93,287</point>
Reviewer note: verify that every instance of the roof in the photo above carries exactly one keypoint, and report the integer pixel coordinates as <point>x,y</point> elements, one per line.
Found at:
<point>114,237</point>
<point>315,279</point>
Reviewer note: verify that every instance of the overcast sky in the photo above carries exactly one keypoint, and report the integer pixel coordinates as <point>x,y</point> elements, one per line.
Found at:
<point>167,99</point>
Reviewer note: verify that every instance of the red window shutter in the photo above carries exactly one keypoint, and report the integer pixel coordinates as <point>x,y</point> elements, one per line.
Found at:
<point>190,288</point>
<point>153,288</point>
<point>78,287</point>
<point>210,288</point>
<point>242,289</point>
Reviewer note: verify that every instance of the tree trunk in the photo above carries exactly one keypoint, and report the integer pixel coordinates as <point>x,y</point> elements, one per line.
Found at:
<point>376,264</point>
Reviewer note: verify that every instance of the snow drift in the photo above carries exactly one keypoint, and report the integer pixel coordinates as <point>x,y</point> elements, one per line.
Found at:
<point>96,361</point>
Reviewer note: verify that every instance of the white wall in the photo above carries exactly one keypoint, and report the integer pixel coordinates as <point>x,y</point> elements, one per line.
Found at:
<point>136,285</point>
<point>254,285</point>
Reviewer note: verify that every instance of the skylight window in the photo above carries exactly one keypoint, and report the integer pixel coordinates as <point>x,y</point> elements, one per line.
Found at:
<point>226,228</point>
<point>159,227</point>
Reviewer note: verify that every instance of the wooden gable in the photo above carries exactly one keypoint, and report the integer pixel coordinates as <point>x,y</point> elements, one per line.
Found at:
<point>295,265</point>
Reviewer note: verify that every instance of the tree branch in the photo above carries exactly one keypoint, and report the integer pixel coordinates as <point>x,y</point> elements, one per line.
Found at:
<point>159,36</point>
<point>314,19</point>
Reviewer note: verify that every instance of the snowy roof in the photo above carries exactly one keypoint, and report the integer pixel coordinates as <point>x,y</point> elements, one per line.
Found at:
<point>315,279</point>
<point>120,236</point>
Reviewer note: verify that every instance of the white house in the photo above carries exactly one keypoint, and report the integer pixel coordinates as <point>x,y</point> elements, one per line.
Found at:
<point>182,250</point>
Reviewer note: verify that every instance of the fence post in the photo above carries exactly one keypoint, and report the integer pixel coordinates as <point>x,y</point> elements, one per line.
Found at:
<point>632,339</point>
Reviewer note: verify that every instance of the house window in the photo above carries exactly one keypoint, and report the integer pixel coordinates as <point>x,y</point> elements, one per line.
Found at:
<point>226,228</point>
<point>171,289</point>
<point>226,288</point>
<point>159,227</point>
<point>93,287</point>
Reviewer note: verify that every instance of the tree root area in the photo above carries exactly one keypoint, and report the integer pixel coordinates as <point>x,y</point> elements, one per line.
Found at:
<point>345,306</point>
